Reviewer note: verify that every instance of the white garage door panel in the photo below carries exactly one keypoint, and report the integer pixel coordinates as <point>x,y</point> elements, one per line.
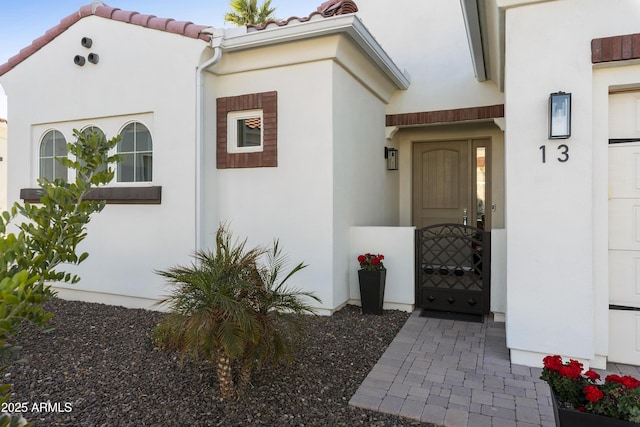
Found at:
<point>624,228</point>
<point>624,177</point>
<point>624,270</point>
<point>624,337</point>
<point>624,218</point>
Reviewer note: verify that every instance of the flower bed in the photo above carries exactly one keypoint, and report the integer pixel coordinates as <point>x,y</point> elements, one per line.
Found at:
<point>616,397</point>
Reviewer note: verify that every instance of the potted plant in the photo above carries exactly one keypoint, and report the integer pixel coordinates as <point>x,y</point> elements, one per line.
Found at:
<point>372,276</point>
<point>583,399</point>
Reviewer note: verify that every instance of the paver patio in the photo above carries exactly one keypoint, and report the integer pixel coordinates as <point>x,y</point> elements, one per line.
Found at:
<point>457,373</point>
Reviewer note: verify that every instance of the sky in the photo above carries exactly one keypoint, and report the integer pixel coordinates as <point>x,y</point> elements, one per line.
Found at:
<point>22,21</point>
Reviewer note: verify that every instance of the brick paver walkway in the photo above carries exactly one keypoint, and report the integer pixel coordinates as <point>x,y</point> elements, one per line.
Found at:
<point>458,374</point>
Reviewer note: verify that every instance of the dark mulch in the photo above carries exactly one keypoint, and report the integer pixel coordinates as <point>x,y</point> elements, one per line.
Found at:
<point>100,363</point>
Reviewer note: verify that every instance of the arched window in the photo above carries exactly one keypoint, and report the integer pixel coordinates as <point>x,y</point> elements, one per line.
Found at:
<point>136,147</point>
<point>52,145</point>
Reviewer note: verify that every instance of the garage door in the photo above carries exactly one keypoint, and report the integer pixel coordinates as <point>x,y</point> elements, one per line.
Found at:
<point>624,229</point>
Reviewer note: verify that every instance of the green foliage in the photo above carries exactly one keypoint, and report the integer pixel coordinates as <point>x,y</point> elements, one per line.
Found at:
<point>229,309</point>
<point>30,257</point>
<point>616,397</point>
<point>247,12</point>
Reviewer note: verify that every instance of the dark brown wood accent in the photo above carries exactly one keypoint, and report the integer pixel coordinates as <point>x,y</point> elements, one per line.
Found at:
<point>446,116</point>
<point>112,195</point>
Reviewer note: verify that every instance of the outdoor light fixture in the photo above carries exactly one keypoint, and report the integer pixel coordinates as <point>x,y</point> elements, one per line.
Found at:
<point>78,60</point>
<point>391,154</point>
<point>86,42</point>
<point>559,115</point>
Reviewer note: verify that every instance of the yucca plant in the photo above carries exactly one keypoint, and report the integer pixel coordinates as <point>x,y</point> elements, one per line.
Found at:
<point>224,308</point>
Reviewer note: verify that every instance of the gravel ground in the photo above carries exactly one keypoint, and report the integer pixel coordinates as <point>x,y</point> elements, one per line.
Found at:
<point>99,367</point>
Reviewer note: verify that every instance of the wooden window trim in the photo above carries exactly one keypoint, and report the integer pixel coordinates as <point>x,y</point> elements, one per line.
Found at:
<point>112,195</point>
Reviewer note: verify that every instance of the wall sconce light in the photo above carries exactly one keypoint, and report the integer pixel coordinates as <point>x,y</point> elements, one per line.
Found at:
<point>559,115</point>
<point>391,154</point>
<point>86,42</point>
<point>78,60</point>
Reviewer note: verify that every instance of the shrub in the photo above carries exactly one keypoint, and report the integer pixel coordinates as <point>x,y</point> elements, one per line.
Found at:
<point>228,308</point>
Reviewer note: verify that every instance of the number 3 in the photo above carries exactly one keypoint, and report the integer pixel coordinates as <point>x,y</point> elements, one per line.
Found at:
<point>564,153</point>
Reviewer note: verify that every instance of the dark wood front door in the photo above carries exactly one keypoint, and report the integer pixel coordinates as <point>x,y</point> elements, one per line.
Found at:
<point>451,193</point>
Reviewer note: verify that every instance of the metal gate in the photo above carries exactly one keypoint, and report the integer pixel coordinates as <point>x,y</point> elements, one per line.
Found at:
<point>453,268</point>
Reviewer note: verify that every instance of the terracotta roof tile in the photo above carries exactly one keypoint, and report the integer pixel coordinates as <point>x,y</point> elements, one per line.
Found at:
<point>3,120</point>
<point>187,29</point>
<point>141,19</point>
<point>325,10</point>
<point>159,23</point>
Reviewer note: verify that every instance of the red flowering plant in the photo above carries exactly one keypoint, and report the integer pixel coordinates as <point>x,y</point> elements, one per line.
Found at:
<point>371,262</point>
<point>617,396</point>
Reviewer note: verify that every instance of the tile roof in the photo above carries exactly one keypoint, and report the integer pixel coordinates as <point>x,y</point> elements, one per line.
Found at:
<point>325,10</point>
<point>98,8</point>
<point>185,28</point>
<point>3,120</point>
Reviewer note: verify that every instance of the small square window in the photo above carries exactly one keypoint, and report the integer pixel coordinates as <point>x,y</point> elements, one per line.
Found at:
<point>244,131</point>
<point>247,131</point>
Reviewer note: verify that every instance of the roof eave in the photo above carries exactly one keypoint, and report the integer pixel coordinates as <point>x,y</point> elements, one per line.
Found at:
<point>349,25</point>
<point>471,16</point>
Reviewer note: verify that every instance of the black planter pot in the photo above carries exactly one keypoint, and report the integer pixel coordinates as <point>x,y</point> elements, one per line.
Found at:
<point>572,418</point>
<point>372,290</point>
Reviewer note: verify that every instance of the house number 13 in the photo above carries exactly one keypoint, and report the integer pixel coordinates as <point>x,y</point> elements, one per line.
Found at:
<point>564,153</point>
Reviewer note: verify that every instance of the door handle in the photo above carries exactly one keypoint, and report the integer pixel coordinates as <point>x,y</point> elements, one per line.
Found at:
<point>464,216</point>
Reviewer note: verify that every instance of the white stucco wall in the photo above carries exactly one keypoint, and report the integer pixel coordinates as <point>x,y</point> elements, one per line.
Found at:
<point>429,40</point>
<point>365,192</point>
<point>397,244</point>
<point>141,73</point>
<point>3,165</point>
<point>555,212</point>
<point>293,201</point>
<point>330,141</point>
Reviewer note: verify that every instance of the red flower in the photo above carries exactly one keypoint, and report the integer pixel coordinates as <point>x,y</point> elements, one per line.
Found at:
<point>627,381</point>
<point>553,363</point>
<point>375,261</point>
<point>581,409</point>
<point>573,370</point>
<point>362,258</point>
<point>593,393</point>
<point>592,375</point>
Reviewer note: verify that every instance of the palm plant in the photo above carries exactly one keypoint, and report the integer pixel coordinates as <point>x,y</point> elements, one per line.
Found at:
<point>225,308</point>
<point>276,307</point>
<point>247,12</point>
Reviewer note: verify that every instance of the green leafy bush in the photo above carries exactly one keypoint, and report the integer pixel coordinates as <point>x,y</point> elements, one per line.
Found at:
<point>30,256</point>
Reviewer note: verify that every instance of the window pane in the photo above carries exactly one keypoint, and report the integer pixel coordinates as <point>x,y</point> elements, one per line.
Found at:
<point>126,169</point>
<point>126,143</point>
<point>60,145</point>
<point>46,168</point>
<point>481,192</point>
<point>143,167</point>
<point>60,171</point>
<point>249,131</point>
<point>143,138</point>
<point>46,147</point>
